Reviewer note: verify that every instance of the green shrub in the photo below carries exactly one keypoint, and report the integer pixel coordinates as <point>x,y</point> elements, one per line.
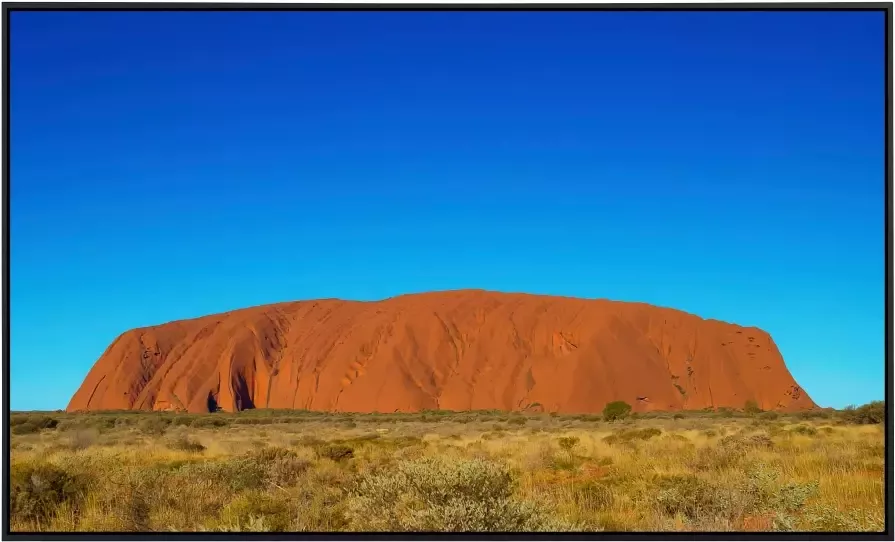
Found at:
<point>725,412</point>
<point>237,473</point>
<point>751,407</point>
<point>286,470</point>
<point>434,494</point>
<point>686,495</point>
<point>792,497</point>
<point>265,467</point>
<point>96,422</point>
<point>182,420</point>
<point>803,430</point>
<point>759,441</point>
<point>253,524</point>
<point>646,433</point>
<point>38,489</point>
<point>829,519</point>
<point>757,494</point>
<point>813,414</point>
<point>31,423</point>
<point>17,418</point>
<point>517,421</point>
<point>255,510</point>
<point>871,413</point>
<point>616,410</point>
<point>24,428</point>
<point>35,422</point>
<point>566,461</point>
<point>604,461</point>
<point>568,443</point>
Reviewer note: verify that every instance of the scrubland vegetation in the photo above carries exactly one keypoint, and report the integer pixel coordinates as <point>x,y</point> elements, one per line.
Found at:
<point>448,471</point>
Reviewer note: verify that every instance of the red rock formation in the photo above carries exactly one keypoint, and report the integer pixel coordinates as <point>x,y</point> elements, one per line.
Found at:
<point>455,350</point>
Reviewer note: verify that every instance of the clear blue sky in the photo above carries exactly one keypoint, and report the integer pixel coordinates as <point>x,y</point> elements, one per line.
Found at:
<point>170,165</point>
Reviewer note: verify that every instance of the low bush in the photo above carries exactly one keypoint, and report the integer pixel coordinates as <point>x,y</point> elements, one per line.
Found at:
<point>182,420</point>
<point>237,473</point>
<point>282,466</point>
<point>803,430</point>
<point>38,489</point>
<point>758,494</point>
<point>31,423</point>
<point>24,428</point>
<point>725,412</point>
<point>434,494</point>
<point>871,413</point>
<point>686,495</point>
<point>564,461</point>
<point>616,410</point>
<point>814,414</point>
<point>568,443</point>
<point>255,510</point>
<point>829,519</point>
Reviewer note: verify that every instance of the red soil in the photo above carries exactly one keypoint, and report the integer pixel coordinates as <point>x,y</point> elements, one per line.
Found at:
<point>456,350</point>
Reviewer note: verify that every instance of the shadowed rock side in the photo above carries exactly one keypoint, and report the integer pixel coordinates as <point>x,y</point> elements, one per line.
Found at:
<point>456,350</point>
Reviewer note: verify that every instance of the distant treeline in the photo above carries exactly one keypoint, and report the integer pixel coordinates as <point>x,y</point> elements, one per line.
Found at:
<point>31,422</point>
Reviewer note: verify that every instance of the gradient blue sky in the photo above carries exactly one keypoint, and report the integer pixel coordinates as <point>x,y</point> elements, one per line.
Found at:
<point>170,165</point>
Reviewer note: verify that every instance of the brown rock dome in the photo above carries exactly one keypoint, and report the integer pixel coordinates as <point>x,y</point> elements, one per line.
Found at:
<point>456,350</point>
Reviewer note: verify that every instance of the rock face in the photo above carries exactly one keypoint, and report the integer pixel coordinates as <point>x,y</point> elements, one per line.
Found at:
<point>459,350</point>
